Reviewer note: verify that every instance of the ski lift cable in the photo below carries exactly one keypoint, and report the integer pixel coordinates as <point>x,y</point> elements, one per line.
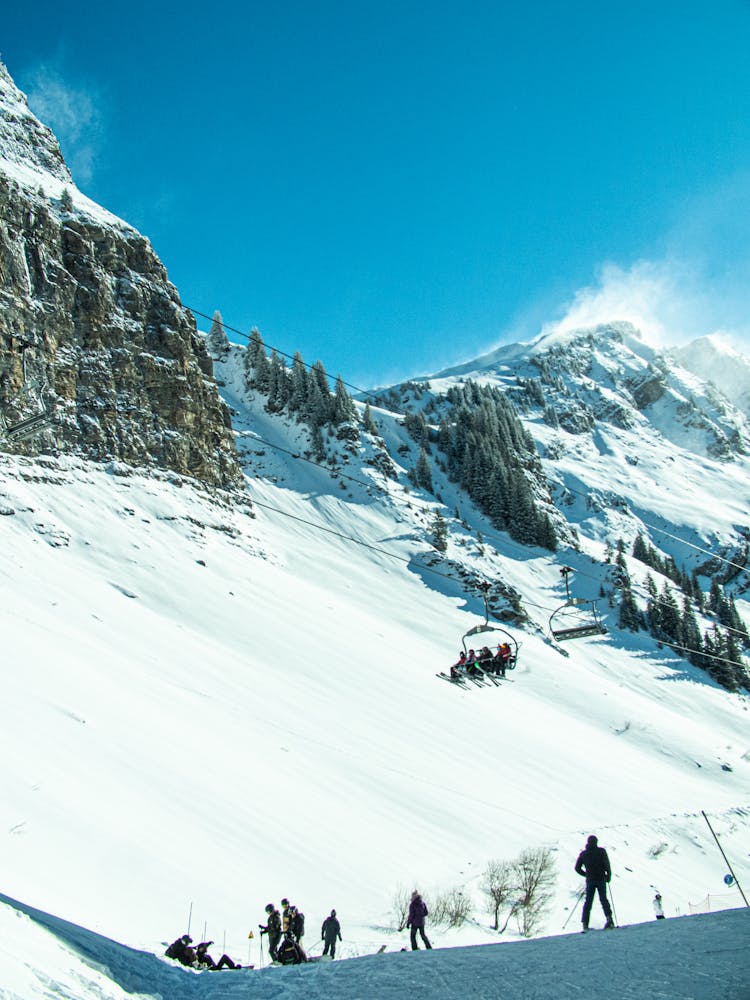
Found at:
<point>384,491</point>
<point>375,396</point>
<point>498,544</point>
<point>663,531</point>
<point>435,572</point>
<point>285,354</point>
<point>505,545</point>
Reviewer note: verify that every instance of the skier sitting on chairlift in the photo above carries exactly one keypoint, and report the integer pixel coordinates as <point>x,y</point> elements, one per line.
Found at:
<point>458,669</point>
<point>471,662</point>
<point>502,658</point>
<point>484,660</point>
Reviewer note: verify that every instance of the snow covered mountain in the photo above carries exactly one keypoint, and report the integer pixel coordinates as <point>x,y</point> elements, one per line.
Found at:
<point>216,699</point>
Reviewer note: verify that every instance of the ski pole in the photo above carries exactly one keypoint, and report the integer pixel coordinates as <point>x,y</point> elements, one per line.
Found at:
<point>726,859</point>
<point>190,916</point>
<point>314,945</point>
<point>612,901</point>
<point>573,909</point>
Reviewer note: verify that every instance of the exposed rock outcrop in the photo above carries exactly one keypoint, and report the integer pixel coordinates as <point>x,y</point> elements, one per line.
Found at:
<point>87,300</point>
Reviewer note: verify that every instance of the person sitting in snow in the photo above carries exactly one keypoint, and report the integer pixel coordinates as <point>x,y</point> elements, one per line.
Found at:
<point>290,952</point>
<point>204,960</point>
<point>181,951</point>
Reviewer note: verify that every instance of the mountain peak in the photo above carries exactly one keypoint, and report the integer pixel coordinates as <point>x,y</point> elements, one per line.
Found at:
<point>27,146</point>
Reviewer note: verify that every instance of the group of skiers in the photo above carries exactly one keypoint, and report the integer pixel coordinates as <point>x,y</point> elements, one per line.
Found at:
<point>483,662</point>
<point>285,929</point>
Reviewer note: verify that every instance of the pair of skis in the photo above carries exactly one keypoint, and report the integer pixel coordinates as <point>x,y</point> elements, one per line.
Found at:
<point>480,678</point>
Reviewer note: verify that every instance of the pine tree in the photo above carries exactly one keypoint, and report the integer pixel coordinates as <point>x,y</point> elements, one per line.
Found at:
<point>298,387</point>
<point>630,615</point>
<point>422,472</point>
<point>256,363</point>
<point>343,405</point>
<point>318,407</point>
<point>690,633</point>
<point>439,532</point>
<point>669,614</point>
<point>217,341</point>
<point>367,421</point>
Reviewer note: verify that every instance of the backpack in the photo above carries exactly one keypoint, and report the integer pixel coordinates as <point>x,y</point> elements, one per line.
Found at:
<point>298,929</point>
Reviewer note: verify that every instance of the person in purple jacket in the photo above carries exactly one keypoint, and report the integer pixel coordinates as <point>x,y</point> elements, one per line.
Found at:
<point>415,920</point>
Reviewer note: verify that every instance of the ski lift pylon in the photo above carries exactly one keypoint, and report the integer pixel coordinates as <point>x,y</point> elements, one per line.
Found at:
<point>486,627</point>
<point>36,415</point>
<point>577,618</point>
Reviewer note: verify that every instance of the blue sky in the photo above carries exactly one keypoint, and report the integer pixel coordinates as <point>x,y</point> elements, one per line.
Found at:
<point>393,187</point>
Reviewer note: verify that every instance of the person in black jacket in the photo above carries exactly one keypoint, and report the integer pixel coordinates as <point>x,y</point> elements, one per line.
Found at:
<point>296,924</point>
<point>272,929</point>
<point>205,961</point>
<point>290,952</point>
<point>181,951</point>
<point>330,930</point>
<point>593,865</point>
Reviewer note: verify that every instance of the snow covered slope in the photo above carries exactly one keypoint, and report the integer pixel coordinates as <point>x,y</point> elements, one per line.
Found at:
<point>210,709</point>
<point>703,957</point>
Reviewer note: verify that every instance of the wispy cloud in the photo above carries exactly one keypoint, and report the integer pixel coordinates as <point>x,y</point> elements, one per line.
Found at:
<point>72,112</point>
<point>698,284</point>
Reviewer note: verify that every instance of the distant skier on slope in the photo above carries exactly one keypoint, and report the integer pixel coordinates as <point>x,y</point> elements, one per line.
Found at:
<point>415,920</point>
<point>658,908</point>
<point>593,864</point>
<point>330,930</point>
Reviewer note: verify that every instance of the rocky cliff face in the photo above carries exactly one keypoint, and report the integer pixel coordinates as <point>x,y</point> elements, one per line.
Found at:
<point>86,301</point>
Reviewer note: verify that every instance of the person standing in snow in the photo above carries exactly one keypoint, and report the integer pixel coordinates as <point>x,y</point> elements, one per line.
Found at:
<point>417,913</point>
<point>296,924</point>
<point>272,929</point>
<point>330,930</point>
<point>593,865</point>
<point>658,908</point>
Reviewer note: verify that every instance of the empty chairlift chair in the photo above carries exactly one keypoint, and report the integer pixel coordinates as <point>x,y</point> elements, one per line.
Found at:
<point>577,618</point>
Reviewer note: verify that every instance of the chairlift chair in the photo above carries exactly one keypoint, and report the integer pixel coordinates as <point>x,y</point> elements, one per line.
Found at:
<point>486,627</point>
<point>577,618</point>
